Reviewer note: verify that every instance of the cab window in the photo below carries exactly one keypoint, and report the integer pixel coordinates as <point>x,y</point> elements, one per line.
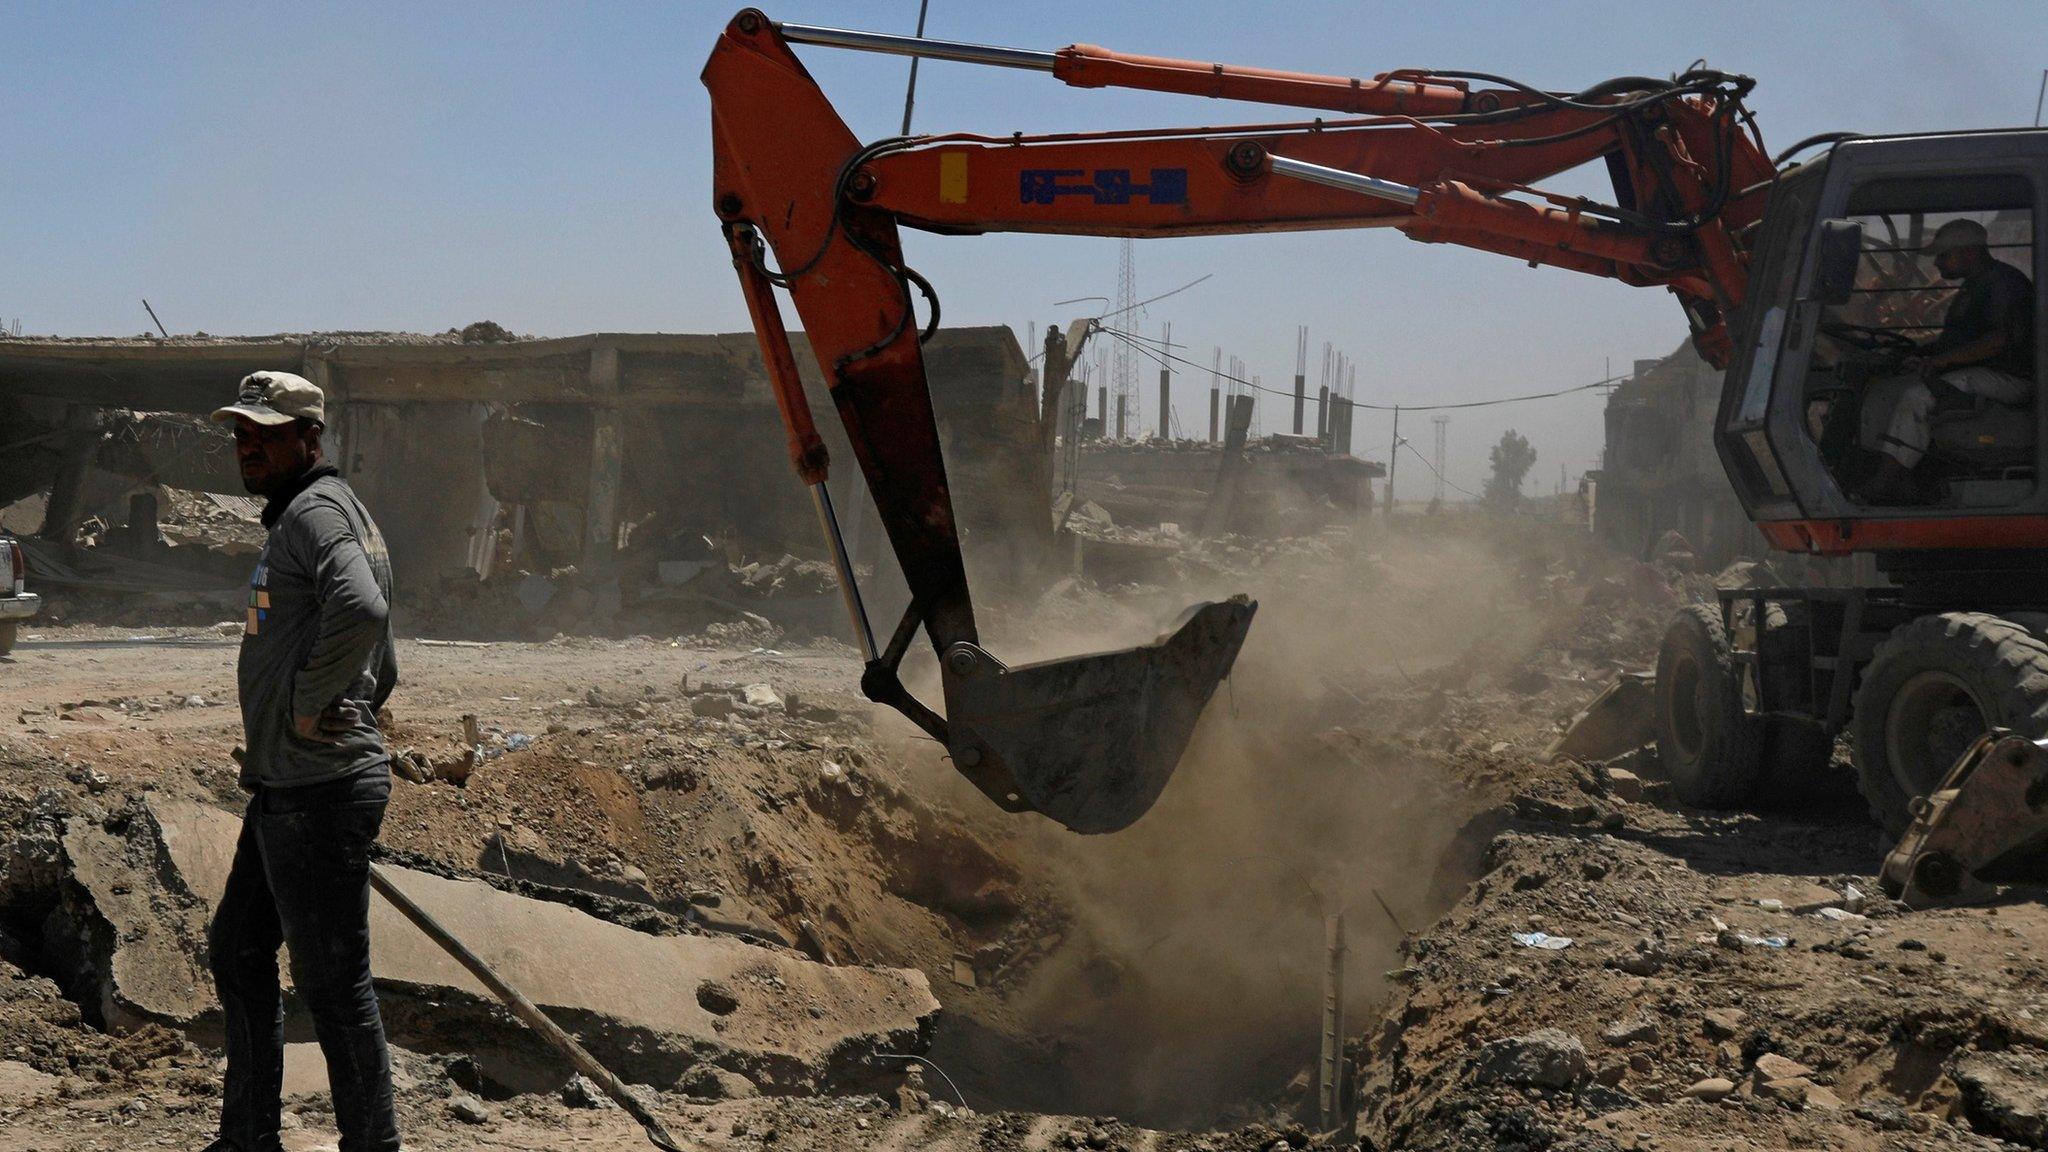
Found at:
<point>1922,388</point>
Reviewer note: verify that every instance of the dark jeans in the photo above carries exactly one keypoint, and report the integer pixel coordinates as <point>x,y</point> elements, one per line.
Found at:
<point>301,878</point>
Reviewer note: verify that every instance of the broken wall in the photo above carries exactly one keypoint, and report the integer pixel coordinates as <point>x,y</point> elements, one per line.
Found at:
<point>585,441</point>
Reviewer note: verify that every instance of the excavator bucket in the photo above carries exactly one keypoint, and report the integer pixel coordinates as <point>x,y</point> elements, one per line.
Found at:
<point>1090,741</point>
<point>1993,803</point>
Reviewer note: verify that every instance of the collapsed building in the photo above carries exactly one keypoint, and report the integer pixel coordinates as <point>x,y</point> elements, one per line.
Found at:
<point>1658,470</point>
<point>611,469</point>
<point>610,479</point>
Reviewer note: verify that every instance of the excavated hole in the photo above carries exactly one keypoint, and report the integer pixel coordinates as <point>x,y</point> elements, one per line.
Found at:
<point>1187,990</point>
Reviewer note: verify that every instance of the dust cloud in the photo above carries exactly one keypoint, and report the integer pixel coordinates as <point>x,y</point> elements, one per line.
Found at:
<point>1188,985</point>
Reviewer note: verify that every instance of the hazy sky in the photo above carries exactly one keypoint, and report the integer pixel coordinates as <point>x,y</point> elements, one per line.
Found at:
<point>256,168</point>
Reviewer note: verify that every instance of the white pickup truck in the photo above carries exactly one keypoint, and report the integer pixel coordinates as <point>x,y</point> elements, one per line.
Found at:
<point>17,603</point>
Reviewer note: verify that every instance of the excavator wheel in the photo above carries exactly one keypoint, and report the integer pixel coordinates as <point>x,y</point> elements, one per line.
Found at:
<point>1934,686</point>
<point>1710,747</point>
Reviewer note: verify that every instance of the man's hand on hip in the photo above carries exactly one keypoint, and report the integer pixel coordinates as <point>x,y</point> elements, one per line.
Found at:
<point>330,726</point>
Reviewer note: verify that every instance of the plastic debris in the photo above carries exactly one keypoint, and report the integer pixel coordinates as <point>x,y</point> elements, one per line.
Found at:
<point>1543,940</point>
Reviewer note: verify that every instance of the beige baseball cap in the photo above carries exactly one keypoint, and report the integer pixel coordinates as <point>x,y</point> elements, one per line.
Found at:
<point>276,398</point>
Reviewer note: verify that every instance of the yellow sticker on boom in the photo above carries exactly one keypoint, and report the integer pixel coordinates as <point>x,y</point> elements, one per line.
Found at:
<point>952,177</point>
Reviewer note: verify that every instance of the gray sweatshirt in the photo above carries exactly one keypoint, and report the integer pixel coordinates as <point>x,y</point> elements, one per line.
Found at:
<point>318,633</point>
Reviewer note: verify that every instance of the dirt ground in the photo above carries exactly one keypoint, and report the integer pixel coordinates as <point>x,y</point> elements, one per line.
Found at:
<point>1378,752</point>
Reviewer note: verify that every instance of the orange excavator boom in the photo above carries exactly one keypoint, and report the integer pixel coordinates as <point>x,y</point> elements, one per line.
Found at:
<point>809,208</point>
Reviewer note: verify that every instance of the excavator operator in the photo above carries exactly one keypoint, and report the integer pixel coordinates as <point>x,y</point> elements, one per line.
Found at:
<point>1985,351</point>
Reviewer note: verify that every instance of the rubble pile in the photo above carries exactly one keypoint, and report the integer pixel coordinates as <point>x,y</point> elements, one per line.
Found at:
<point>759,898</point>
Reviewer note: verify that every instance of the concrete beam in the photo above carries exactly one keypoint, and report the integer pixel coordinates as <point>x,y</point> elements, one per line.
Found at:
<point>652,1007</point>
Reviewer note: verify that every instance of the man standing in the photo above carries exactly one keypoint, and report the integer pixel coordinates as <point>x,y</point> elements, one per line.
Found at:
<point>316,664</point>
<point>1985,349</point>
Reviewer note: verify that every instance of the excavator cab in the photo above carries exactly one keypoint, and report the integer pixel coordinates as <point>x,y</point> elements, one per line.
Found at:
<point>1843,291</point>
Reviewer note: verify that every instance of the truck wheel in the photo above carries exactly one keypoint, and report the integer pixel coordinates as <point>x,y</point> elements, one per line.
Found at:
<point>8,631</point>
<point>1933,687</point>
<point>1709,747</point>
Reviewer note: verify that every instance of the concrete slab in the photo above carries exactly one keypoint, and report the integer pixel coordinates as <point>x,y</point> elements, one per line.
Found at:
<point>130,946</point>
<point>21,1085</point>
<point>655,1006</point>
<point>305,1071</point>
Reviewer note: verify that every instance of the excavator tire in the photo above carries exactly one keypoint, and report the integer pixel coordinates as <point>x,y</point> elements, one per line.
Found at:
<point>1933,686</point>
<point>1710,748</point>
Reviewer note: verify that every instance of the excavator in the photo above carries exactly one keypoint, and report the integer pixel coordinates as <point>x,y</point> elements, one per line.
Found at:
<point>1805,277</point>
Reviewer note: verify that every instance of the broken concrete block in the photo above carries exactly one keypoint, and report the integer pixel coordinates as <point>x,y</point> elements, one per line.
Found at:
<point>1545,1058</point>
<point>132,946</point>
<point>1619,720</point>
<point>21,1085</point>
<point>1712,1090</point>
<point>1633,1030</point>
<point>1625,785</point>
<point>305,1071</point>
<point>788,1023</point>
<point>761,696</point>
<point>1721,1023</point>
<point>2005,1094</point>
<point>1771,1066</point>
<point>711,704</point>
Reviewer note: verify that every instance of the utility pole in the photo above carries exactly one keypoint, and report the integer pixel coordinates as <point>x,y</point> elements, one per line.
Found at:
<point>1300,375</point>
<point>1393,459</point>
<point>1166,389</point>
<point>1215,385</point>
<point>1443,422</point>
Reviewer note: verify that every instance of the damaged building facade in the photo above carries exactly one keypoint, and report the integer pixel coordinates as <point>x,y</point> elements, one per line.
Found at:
<point>552,483</point>
<point>1658,470</point>
<point>605,470</point>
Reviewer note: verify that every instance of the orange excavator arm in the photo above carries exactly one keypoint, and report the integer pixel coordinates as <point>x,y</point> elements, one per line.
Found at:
<point>1091,741</point>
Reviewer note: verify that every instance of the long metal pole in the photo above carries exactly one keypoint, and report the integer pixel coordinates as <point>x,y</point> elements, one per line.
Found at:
<point>1330,1070</point>
<point>2040,97</point>
<point>910,93</point>
<point>1348,181</point>
<point>917,46</point>
<point>842,564</point>
<point>1393,459</point>
<point>525,1009</point>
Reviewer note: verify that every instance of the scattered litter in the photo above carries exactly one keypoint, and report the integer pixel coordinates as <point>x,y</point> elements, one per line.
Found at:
<point>1543,940</point>
<point>1838,915</point>
<point>514,741</point>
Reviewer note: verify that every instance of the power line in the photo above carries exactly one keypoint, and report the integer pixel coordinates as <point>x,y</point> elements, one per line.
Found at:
<point>1432,469</point>
<point>1138,341</point>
